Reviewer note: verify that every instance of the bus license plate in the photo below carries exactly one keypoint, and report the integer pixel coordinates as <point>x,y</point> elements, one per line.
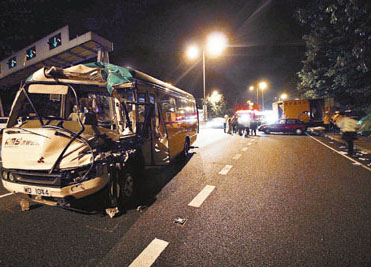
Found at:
<point>36,191</point>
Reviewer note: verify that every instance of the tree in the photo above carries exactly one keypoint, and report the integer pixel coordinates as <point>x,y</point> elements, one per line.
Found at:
<point>216,105</point>
<point>338,51</point>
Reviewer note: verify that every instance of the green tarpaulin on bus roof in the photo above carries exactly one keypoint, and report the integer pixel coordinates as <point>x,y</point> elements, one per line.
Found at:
<point>114,74</point>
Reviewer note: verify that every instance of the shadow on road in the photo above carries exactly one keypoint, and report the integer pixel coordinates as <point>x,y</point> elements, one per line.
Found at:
<point>157,178</point>
<point>152,181</point>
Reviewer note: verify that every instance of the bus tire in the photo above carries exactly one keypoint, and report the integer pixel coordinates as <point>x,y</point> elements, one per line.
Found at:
<point>122,188</point>
<point>186,147</point>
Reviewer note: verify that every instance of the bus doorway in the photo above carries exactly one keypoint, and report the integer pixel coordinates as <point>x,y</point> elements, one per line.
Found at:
<point>159,136</point>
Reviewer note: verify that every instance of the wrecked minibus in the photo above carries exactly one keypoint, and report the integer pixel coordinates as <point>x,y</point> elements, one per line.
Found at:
<point>91,128</point>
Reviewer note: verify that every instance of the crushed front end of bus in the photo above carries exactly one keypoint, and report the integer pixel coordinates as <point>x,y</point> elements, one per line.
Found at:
<point>69,136</point>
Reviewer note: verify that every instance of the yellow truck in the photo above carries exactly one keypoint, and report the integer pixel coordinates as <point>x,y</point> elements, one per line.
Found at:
<point>314,112</point>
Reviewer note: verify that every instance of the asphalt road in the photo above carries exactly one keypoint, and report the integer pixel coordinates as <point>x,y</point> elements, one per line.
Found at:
<point>283,200</point>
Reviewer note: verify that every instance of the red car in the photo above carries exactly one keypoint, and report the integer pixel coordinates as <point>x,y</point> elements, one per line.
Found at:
<point>284,125</point>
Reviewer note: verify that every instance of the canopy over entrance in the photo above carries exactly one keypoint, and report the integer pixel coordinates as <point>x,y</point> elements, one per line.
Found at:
<point>56,49</point>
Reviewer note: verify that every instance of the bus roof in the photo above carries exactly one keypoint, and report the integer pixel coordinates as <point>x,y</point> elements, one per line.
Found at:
<point>102,74</point>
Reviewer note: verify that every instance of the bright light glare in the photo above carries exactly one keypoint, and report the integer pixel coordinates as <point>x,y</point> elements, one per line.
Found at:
<point>216,44</point>
<point>270,116</point>
<point>215,97</point>
<point>263,85</point>
<point>251,88</point>
<point>283,96</point>
<point>193,52</point>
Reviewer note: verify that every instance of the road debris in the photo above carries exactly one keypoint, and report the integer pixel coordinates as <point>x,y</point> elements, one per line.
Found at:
<point>181,221</point>
<point>25,205</point>
<point>112,212</point>
<point>141,208</point>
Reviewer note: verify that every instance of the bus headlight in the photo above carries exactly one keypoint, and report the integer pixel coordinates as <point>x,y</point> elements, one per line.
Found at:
<point>11,177</point>
<point>5,175</point>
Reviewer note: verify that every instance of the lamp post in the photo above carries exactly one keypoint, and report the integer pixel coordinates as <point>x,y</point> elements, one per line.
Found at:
<point>263,85</point>
<point>204,104</point>
<point>215,45</point>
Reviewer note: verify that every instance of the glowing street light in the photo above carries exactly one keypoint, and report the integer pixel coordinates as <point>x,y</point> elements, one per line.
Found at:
<point>193,52</point>
<point>263,85</point>
<point>215,45</point>
<point>283,96</point>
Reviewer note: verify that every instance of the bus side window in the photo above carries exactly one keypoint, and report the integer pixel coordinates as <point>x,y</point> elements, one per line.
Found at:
<point>182,107</point>
<point>168,107</point>
<point>141,108</point>
<point>127,96</point>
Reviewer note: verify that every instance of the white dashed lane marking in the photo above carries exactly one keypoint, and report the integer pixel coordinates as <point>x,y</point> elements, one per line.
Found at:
<point>225,170</point>
<point>6,195</point>
<point>150,253</point>
<point>340,152</point>
<point>201,197</point>
<point>236,157</point>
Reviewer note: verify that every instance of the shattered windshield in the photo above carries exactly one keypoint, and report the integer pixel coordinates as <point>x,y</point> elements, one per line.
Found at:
<point>47,105</point>
<point>51,103</point>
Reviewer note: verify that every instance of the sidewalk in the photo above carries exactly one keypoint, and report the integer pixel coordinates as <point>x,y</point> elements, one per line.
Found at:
<point>362,143</point>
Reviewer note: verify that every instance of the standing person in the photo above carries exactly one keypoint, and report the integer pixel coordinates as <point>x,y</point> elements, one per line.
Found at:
<point>336,119</point>
<point>253,126</point>
<point>348,128</point>
<point>234,123</point>
<point>326,121</point>
<point>225,122</point>
<point>247,127</point>
<point>229,123</point>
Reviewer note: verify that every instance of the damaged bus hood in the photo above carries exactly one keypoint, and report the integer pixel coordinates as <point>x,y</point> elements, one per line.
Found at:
<point>39,148</point>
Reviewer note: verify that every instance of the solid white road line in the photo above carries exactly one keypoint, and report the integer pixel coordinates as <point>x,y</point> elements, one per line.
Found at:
<point>225,170</point>
<point>236,157</point>
<point>6,195</point>
<point>201,197</point>
<point>244,149</point>
<point>150,253</point>
<point>340,153</point>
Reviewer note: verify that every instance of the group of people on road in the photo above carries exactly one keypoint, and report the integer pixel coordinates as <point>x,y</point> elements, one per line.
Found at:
<point>231,125</point>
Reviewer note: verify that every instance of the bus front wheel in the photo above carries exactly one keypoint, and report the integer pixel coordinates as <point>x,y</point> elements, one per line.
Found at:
<point>122,187</point>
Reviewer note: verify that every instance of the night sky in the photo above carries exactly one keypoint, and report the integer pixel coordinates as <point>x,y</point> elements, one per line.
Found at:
<point>152,35</point>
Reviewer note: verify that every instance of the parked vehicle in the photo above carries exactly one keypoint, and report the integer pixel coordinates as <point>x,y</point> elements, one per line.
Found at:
<point>285,126</point>
<point>88,128</point>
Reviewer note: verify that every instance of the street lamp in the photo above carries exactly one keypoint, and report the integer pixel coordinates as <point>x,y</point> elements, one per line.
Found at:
<point>263,85</point>
<point>283,96</point>
<point>215,45</point>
